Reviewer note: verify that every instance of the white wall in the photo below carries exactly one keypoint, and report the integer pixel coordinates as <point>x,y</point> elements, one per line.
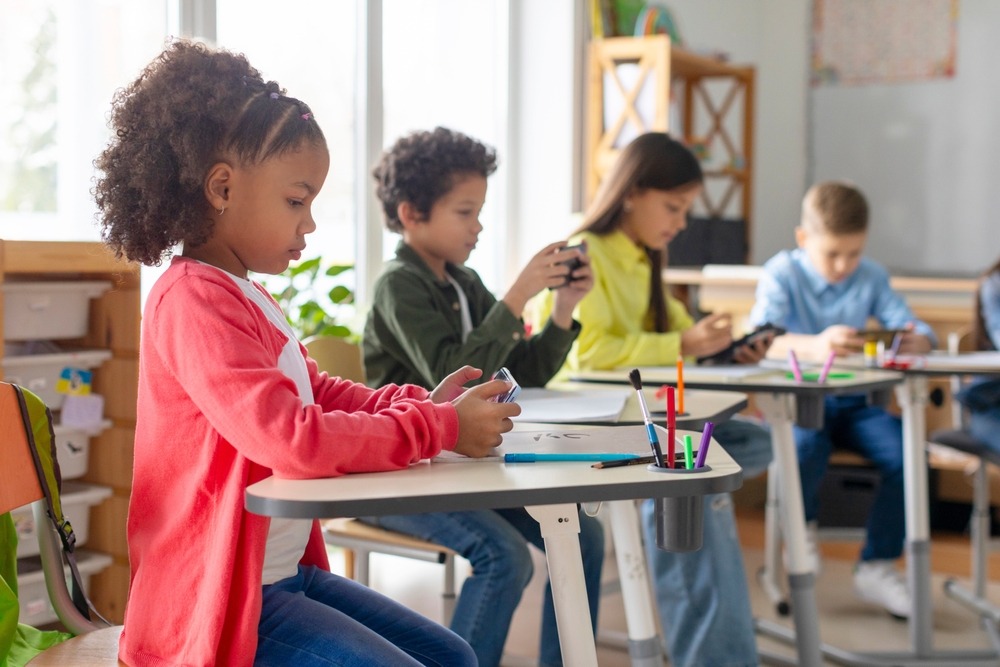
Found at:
<point>926,153</point>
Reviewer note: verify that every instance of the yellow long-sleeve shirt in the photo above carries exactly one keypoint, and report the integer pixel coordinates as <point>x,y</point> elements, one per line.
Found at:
<point>616,327</point>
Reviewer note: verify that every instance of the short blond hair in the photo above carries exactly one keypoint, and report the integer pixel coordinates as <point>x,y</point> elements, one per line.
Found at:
<point>835,207</point>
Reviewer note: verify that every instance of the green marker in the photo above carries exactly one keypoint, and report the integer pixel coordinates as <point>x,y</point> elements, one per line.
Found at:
<point>688,455</point>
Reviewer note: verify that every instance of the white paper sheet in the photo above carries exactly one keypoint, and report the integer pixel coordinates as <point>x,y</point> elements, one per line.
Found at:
<point>562,407</point>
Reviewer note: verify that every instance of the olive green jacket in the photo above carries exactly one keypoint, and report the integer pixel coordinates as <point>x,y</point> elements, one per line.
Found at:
<point>413,333</point>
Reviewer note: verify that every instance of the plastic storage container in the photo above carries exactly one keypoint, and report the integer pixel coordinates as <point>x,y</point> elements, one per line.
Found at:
<point>73,448</point>
<point>34,599</point>
<point>77,499</point>
<point>48,310</point>
<point>39,373</point>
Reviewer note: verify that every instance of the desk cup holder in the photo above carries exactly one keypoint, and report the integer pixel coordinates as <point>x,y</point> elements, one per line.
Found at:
<point>679,523</point>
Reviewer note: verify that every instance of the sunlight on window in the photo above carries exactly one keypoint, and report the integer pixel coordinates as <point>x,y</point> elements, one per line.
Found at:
<point>60,63</point>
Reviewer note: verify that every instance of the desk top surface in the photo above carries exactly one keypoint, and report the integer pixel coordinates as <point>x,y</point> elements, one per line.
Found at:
<point>701,405</point>
<point>940,363</point>
<point>754,379</point>
<point>439,486</point>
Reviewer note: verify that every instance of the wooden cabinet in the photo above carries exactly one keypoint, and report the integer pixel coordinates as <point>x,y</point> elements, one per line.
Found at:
<point>114,326</point>
<point>632,84</point>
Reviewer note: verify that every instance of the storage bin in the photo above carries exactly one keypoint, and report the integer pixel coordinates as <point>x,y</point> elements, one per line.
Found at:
<point>48,310</point>
<point>73,447</point>
<point>39,373</point>
<point>77,499</point>
<point>35,606</point>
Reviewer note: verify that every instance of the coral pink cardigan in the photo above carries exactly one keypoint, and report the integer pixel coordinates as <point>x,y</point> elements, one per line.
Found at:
<point>215,415</point>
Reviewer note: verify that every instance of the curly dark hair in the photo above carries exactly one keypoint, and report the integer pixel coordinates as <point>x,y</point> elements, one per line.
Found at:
<point>190,108</point>
<point>421,167</point>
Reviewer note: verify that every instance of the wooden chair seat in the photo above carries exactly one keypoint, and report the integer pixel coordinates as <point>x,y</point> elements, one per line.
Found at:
<point>93,649</point>
<point>343,532</point>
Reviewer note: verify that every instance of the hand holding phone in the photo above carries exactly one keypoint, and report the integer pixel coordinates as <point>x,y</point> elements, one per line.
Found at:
<point>574,262</point>
<point>726,355</point>
<point>511,394</point>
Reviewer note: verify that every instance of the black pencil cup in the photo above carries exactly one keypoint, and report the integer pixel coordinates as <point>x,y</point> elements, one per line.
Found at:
<point>679,523</point>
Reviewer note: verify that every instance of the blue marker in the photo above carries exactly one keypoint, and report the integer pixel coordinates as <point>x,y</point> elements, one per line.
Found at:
<point>529,457</point>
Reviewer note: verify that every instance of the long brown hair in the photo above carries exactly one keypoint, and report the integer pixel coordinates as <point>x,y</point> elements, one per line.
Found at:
<point>980,335</point>
<point>653,160</point>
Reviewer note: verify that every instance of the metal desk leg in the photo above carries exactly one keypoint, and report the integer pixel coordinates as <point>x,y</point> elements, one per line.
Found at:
<point>767,576</point>
<point>560,527</point>
<point>643,638</point>
<point>912,398</point>
<point>779,410</point>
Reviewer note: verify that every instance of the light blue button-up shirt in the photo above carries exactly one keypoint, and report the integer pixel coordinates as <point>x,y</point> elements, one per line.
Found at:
<point>793,295</point>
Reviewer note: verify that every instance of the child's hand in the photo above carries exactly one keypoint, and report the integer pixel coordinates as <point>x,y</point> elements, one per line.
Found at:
<point>839,338</point>
<point>754,352</point>
<point>481,422</point>
<point>565,298</point>
<point>914,343</point>
<point>710,334</point>
<point>453,386</point>
<point>545,269</point>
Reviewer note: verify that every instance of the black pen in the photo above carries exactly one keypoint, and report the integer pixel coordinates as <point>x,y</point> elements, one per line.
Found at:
<point>625,462</point>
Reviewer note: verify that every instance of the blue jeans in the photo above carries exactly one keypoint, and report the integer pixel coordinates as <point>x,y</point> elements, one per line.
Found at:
<point>850,423</point>
<point>319,619</point>
<point>495,542</point>
<point>702,596</point>
<point>984,425</point>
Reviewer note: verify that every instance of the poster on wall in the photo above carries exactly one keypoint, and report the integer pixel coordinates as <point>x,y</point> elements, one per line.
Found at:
<point>882,41</point>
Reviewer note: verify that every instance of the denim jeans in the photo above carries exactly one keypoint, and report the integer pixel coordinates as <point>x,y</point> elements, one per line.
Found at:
<point>495,542</point>
<point>850,423</point>
<point>319,619</point>
<point>984,425</point>
<point>702,596</point>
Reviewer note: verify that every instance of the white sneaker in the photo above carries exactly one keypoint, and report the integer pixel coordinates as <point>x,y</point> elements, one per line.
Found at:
<point>812,548</point>
<point>880,583</point>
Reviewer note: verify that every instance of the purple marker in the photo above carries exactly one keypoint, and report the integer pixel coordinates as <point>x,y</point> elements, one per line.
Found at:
<point>793,361</point>
<point>826,367</point>
<point>706,437</point>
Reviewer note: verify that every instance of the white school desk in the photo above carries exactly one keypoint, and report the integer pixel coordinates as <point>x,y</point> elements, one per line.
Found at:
<point>783,402</point>
<point>701,406</point>
<point>549,491</point>
<point>912,399</point>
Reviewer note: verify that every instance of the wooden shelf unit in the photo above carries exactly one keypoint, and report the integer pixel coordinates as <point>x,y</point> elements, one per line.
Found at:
<point>114,326</point>
<point>715,101</point>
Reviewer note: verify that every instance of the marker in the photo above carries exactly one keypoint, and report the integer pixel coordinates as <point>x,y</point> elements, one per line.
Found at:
<point>826,367</point>
<point>688,456</point>
<point>706,438</point>
<point>680,384</point>
<point>894,350</point>
<point>530,457</point>
<point>793,361</point>
<point>671,428</point>
<point>654,442</point>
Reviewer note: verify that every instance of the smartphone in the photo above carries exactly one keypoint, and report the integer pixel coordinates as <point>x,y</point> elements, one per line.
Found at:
<point>726,355</point>
<point>884,335</point>
<point>573,263</point>
<point>511,394</point>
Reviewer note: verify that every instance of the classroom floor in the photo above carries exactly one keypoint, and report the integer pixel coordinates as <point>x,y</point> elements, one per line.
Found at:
<point>845,622</point>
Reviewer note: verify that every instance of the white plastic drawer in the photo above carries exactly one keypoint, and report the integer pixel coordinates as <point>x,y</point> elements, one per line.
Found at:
<point>39,373</point>
<point>73,448</point>
<point>48,309</point>
<point>77,499</point>
<point>32,595</point>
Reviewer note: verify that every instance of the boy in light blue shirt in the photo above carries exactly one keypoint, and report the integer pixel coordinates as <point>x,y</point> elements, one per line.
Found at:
<point>823,293</point>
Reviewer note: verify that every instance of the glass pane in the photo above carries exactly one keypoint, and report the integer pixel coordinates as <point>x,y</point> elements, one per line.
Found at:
<point>435,74</point>
<point>60,64</point>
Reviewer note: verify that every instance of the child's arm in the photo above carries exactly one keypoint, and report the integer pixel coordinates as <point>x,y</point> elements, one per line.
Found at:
<point>892,311</point>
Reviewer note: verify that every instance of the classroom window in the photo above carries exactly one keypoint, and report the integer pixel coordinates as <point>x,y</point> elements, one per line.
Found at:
<point>60,64</point>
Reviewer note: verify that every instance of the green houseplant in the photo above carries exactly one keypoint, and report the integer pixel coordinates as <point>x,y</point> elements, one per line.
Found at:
<point>312,306</point>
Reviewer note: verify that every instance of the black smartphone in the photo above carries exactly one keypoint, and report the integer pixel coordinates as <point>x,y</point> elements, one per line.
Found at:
<point>511,394</point>
<point>884,335</point>
<point>726,355</point>
<point>573,263</point>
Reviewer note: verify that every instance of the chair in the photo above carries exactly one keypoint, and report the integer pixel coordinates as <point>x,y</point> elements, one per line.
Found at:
<point>96,643</point>
<point>339,357</point>
<point>979,520</point>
